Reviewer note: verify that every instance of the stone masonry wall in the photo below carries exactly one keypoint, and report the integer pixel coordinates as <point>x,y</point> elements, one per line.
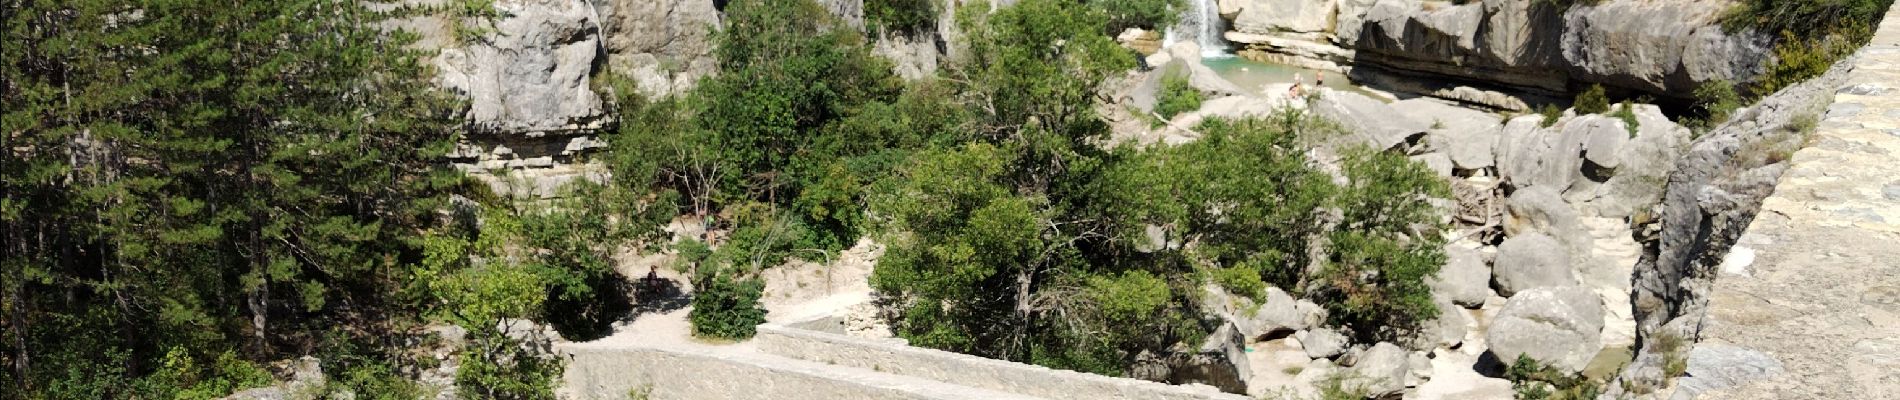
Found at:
<point>967,370</point>
<point>707,372</point>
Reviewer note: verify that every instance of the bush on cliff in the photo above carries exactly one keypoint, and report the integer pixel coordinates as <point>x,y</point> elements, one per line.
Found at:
<point>1177,96</point>
<point>1591,101</point>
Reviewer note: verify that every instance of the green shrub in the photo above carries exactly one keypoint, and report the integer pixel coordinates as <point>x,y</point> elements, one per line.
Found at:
<point>726,306</point>
<point>901,16</point>
<point>1241,280</point>
<point>1715,100</point>
<point>1551,114</point>
<point>1145,14</point>
<point>1804,18</point>
<point>1177,96</point>
<point>1623,112</point>
<point>1591,101</point>
<point>1799,59</point>
<point>1534,381</point>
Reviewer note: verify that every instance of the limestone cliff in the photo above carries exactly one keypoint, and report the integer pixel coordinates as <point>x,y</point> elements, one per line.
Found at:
<point>1661,48</point>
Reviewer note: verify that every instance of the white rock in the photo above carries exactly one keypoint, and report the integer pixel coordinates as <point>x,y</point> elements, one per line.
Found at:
<point>1558,326</point>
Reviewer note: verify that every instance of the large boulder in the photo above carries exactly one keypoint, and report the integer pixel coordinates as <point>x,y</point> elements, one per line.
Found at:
<point>1277,312</point>
<point>1642,165</point>
<point>1384,368</point>
<point>1718,366</point>
<point>1558,326</point>
<point>1542,209</point>
<point>1322,343</point>
<point>1269,16</point>
<point>1465,279</point>
<point>1446,330</point>
<point>531,74</point>
<point>1367,120</point>
<point>1531,261</point>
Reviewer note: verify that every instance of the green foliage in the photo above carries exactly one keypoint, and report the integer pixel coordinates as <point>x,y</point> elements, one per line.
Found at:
<point>1385,247</point>
<point>726,306</point>
<point>1628,116</point>
<point>901,16</point>
<point>1591,101</point>
<point>1177,96</point>
<point>179,377</point>
<point>487,301</point>
<point>1240,280</point>
<point>1551,114</point>
<point>1534,381</point>
<point>1154,15</point>
<point>1715,100</point>
<point>1798,59</point>
<point>1814,34</point>
<point>1808,19</point>
<point>212,176</point>
<point>1674,349</point>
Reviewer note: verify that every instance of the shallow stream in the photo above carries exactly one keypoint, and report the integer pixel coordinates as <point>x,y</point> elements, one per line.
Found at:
<point>1255,76</point>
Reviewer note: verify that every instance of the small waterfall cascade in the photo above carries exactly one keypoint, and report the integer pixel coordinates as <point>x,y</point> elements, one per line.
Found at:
<point>1201,23</point>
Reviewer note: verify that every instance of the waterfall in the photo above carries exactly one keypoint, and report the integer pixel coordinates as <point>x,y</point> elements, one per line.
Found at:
<point>1202,23</point>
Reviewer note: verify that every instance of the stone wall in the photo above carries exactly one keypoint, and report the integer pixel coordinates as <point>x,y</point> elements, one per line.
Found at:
<point>967,370</point>
<point>708,372</point>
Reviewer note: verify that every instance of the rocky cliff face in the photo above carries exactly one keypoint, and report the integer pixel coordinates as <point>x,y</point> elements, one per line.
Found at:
<point>664,45</point>
<point>1712,197</point>
<point>1663,48</point>
<point>528,75</point>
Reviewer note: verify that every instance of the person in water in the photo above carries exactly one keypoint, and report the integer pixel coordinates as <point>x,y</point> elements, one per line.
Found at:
<point>1320,79</point>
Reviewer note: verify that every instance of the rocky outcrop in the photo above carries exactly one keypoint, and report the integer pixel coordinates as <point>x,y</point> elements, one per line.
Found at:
<point>1367,121</point>
<point>1383,368</point>
<point>1713,196</point>
<point>1464,280</point>
<point>1665,49</point>
<point>663,45</point>
<point>530,74</point>
<point>1560,327</point>
<point>1268,16</point>
<point>1531,261</point>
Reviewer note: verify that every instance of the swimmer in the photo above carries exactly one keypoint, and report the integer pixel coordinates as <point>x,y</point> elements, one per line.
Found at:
<point>1320,79</point>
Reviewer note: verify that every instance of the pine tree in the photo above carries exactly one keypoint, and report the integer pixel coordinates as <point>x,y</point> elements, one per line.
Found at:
<point>184,173</point>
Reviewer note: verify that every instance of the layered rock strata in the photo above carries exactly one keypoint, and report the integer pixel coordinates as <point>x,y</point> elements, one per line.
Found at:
<point>1469,51</point>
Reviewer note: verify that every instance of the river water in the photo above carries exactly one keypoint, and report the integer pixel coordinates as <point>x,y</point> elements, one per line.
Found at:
<point>1254,76</point>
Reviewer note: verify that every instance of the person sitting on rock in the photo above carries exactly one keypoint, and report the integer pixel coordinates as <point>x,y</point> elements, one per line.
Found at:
<point>1295,91</point>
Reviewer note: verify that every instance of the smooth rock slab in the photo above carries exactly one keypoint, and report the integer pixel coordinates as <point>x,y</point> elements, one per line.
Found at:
<point>1532,261</point>
<point>1561,327</point>
<point>1715,366</point>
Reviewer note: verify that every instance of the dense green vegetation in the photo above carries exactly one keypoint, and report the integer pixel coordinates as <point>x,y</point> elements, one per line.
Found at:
<point>1176,96</point>
<point>1591,101</point>
<point>1813,34</point>
<point>1154,15</point>
<point>901,16</point>
<point>1533,381</point>
<point>174,208</point>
